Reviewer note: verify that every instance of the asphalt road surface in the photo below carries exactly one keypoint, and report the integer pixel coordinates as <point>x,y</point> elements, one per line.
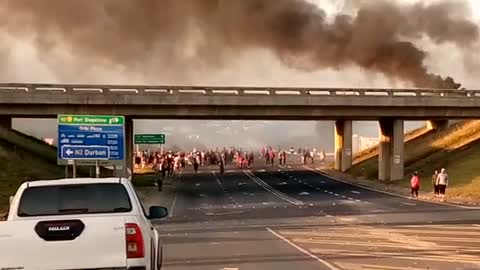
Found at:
<point>296,218</point>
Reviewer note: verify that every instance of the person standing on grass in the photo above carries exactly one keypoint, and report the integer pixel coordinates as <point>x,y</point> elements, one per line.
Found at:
<point>442,182</point>
<point>434,183</point>
<point>415,185</point>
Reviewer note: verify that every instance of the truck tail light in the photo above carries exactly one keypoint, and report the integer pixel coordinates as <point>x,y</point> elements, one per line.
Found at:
<point>134,239</point>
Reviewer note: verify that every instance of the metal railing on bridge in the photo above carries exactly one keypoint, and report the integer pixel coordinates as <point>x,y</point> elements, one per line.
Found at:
<point>83,89</point>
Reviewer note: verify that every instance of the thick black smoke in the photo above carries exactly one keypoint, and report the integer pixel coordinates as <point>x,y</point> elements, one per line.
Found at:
<point>126,32</point>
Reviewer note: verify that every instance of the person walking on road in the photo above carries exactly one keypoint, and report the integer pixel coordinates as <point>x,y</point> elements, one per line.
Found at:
<point>222,166</point>
<point>415,185</point>
<point>434,183</point>
<point>195,165</point>
<point>442,182</point>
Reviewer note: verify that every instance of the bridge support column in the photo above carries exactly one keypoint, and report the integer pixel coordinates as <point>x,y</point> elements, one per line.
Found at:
<point>6,121</point>
<point>391,151</point>
<point>343,145</point>
<point>128,170</point>
<point>437,124</point>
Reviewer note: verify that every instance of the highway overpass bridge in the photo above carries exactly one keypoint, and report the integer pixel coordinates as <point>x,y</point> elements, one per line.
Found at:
<point>389,106</point>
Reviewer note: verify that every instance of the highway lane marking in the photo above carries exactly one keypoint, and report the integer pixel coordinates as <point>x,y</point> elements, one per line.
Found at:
<point>286,227</point>
<point>409,204</point>
<point>346,235</point>
<point>172,208</point>
<point>311,255</point>
<point>272,190</point>
<point>224,213</point>
<point>317,171</point>
<point>355,266</point>
<point>441,226</point>
<point>355,192</point>
<point>402,255</point>
<point>224,190</point>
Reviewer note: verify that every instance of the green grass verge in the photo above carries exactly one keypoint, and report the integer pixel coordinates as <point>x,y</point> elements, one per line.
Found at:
<point>457,149</point>
<point>18,166</point>
<point>462,167</point>
<point>422,147</point>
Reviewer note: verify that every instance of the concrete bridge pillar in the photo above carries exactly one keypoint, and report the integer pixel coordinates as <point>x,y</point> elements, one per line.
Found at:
<point>343,145</point>
<point>391,152</point>
<point>128,170</point>
<point>6,121</point>
<point>437,124</point>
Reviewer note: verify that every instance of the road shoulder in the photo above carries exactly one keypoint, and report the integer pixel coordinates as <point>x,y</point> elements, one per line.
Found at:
<point>393,190</point>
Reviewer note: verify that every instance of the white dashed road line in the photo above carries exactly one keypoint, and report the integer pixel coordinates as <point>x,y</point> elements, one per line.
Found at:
<point>172,208</point>
<point>224,190</point>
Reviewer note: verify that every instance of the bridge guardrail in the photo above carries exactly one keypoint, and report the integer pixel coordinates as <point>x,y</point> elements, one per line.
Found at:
<point>6,88</point>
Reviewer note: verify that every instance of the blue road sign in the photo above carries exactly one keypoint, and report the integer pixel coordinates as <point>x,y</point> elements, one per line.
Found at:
<point>90,140</point>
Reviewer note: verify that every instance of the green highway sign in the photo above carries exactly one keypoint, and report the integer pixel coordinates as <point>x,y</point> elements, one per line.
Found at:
<point>70,119</point>
<point>149,139</point>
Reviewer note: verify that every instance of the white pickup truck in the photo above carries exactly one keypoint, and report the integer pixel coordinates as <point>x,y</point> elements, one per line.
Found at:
<point>80,224</point>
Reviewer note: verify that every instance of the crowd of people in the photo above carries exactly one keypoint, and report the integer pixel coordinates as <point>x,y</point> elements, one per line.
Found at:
<point>170,162</point>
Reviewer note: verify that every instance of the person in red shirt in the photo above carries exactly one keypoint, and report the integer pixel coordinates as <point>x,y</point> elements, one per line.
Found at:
<point>415,185</point>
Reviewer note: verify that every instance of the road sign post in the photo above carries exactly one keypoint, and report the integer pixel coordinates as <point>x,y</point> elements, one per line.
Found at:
<point>97,140</point>
<point>74,170</point>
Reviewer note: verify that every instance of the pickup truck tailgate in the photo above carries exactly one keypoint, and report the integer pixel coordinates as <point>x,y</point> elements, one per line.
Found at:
<point>82,243</point>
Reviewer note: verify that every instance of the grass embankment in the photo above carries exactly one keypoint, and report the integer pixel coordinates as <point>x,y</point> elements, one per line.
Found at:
<point>365,163</point>
<point>457,149</point>
<point>26,158</point>
<point>18,165</point>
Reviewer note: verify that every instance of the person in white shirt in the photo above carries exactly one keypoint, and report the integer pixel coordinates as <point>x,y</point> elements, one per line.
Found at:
<point>442,182</point>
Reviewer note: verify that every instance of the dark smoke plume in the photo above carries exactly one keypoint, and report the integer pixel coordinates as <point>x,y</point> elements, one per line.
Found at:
<point>127,32</point>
